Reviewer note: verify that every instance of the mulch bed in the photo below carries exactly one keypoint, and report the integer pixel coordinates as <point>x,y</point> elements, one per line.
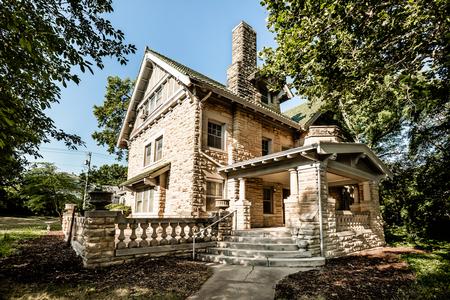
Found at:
<point>376,274</point>
<point>48,261</point>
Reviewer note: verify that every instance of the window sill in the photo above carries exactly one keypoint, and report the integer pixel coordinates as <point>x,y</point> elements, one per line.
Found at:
<point>216,149</point>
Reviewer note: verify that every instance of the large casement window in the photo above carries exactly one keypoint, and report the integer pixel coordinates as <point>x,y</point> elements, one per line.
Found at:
<point>158,148</point>
<point>145,201</point>
<point>148,154</point>
<point>267,201</point>
<point>213,192</point>
<point>215,135</point>
<point>266,146</point>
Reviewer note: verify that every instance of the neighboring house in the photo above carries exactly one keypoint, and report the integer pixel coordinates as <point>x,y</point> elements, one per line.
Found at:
<point>193,140</point>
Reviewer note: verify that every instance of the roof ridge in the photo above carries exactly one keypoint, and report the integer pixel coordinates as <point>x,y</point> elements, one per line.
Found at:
<point>214,83</point>
<point>184,66</point>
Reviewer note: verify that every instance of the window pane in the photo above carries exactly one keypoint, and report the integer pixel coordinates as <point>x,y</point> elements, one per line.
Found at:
<point>158,150</point>
<point>138,201</point>
<point>265,146</point>
<point>148,151</point>
<point>215,135</point>
<point>267,201</point>
<point>151,200</point>
<point>213,192</point>
<point>145,201</point>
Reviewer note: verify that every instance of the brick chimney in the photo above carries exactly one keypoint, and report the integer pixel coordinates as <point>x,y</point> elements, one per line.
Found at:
<point>243,60</point>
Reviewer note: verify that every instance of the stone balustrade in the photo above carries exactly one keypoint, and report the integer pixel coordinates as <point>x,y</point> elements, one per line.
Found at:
<point>153,232</point>
<point>347,220</point>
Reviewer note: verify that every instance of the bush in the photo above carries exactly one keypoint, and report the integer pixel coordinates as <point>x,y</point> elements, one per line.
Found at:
<point>125,209</point>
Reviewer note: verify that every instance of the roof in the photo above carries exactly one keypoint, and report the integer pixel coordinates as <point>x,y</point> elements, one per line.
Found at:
<point>188,71</point>
<point>221,88</point>
<point>186,76</point>
<point>322,148</point>
<point>148,173</point>
<point>304,113</point>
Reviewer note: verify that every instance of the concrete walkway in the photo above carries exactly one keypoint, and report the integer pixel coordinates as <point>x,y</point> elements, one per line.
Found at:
<point>242,282</point>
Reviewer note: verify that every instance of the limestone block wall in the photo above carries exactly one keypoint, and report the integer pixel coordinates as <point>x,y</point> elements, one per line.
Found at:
<point>243,133</point>
<point>340,243</point>
<point>308,225</point>
<point>178,131</point>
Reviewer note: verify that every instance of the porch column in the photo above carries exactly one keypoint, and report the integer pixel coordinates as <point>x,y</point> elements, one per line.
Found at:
<point>242,206</point>
<point>291,204</point>
<point>293,181</point>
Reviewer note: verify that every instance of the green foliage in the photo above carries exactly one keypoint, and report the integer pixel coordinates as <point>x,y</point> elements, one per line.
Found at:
<point>111,114</point>
<point>126,210</point>
<point>433,273</point>
<point>41,43</point>
<point>383,69</point>
<point>47,190</point>
<point>113,174</point>
<point>379,65</point>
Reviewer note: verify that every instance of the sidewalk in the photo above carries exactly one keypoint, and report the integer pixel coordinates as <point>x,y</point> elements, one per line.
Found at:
<point>242,282</point>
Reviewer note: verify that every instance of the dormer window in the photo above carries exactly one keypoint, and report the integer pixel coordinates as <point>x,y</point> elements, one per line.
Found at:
<point>266,98</point>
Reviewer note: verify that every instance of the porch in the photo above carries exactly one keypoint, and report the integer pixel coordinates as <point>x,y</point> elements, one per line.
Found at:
<point>316,191</point>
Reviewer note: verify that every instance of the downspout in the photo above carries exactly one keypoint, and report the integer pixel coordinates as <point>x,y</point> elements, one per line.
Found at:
<point>319,181</point>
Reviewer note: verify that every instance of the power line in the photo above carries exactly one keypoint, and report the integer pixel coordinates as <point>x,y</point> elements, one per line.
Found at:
<point>71,151</point>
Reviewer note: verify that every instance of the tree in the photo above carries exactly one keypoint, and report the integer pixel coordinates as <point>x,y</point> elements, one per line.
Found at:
<point>42,42</point>
<point>111,114</point>
<point>383,68</point>
<point>46,190</point>
<point>106,175</point>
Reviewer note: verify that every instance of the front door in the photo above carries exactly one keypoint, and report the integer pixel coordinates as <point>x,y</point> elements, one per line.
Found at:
<point>286,194</point>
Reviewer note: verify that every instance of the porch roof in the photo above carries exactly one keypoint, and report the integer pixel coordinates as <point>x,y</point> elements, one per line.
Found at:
<point>155,170</point>
<point>281,161</point>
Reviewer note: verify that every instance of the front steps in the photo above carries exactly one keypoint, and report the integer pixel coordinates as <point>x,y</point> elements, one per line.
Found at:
<point>270,247</point>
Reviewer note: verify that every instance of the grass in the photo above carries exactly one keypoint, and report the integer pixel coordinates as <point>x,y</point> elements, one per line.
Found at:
<point>15,229</point>
<point>432,267</point>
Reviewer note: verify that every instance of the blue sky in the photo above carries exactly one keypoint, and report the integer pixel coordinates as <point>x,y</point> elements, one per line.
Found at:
<point>196,33</point>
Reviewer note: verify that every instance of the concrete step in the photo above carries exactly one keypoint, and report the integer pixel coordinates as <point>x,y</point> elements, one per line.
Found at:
<point>267,262</point>
<point>264,232</point>
<point>258,246</point>
<point>259,240</point>
<point>258,253</point>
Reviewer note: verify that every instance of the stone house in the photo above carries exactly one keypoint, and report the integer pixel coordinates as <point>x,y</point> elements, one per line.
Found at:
<point>193,140</point>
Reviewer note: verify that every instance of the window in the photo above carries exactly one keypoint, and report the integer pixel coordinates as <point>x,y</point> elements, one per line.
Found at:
<point>151,103</point>
<point>267,201</point>
<point>158,148</point>
<point>215,135</point>
<point>147,154</point>
<point>145,201</point>
<point>158,96</point>
<point>266,145</point>
<point>213,192</point>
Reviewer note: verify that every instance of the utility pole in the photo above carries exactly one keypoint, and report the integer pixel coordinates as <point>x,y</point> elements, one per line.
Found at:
<point>88,163</point>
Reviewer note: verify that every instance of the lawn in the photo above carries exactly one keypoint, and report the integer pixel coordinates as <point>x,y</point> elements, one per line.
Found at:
<point>15,229</point>
<point>406,270</point>
<point>45,268</point>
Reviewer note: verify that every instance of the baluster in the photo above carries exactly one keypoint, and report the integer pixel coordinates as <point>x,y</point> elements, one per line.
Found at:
<point>121,244</point>
<point>133,237</point>
<point>182,240</point>
<point>173,234</point>
<point>154,236</point>
<point>164,240</point>
<point>201,236</point>
<point>191,232</point>
<point>144,242</point>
